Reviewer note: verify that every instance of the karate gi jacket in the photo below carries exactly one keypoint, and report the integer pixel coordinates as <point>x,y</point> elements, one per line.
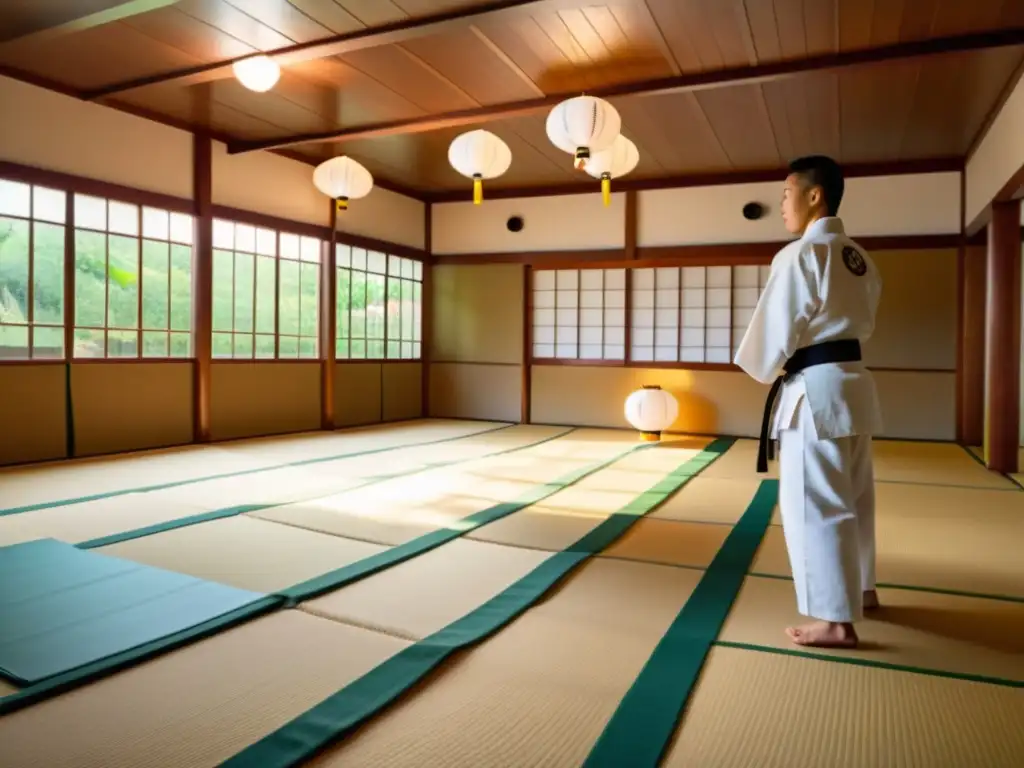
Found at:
<point>822,287</point>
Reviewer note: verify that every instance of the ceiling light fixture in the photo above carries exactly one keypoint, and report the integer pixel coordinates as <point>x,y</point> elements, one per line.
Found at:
<point>258,73</point>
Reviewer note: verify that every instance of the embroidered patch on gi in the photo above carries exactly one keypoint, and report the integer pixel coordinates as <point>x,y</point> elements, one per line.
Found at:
<point>854,261</point>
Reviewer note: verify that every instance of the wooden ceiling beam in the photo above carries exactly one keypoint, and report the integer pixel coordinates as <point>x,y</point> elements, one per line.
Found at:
<point>41,20</point>
<point>850,171</point>
<point>732,76</point>
<point>392,33</point>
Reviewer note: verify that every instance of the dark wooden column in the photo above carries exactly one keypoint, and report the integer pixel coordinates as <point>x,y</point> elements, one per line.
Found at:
<point>427,308</point>
<point>202,284</point>
<point>971,389</point>
<point>328,323</point>
<point>1002,331</point>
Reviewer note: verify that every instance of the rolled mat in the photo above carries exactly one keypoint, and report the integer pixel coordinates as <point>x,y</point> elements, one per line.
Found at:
<point>345,710</point>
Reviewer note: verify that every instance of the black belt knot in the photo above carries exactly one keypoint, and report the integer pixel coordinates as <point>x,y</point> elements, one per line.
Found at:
<point>839,351</point>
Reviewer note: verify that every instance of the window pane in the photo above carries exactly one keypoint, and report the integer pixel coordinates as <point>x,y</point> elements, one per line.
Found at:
<point>182,226</point>
<point>222,345</point>
<point>307,348</point>
<point>155,287</point>
<point>289,246</point>
<point>47,343</point>
<point>311,249</point>
<point>90,280</point>
<point>48,273</point>
<point>90,343</point>
<point>264,346</point>
<point>14,272</point>
<point>394,309</point>
<point>288,293</point>
<point>223,290</point>
<point>341,349</point>
<point>375,308</point>
<point>181,345</point>
<point>342,303</point>
<point>309,300</point>
<point>49,205</point>
<point>266,269</point>
<point>243,345</point>
<point>358,349</point>
<point>181,289</point>
<point>156,224</point>
<point>375,350</point>
<point>122,283</point>
<point>154,343</point>
<point>15,198</point>
<point>288,346</point>
<point>245,238</point>
<point>408,310</point>
<point>13,342</point>
<point>358,303</point>
<point>245,285</point>
<point>223,234</point>
<point>122,344</point>
<point>266,242</point>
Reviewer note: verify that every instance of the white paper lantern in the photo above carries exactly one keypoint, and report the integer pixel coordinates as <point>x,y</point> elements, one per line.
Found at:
<point>651,410</point>
<point>582,126</point>
<point>479,155</point>
<point>616,161</point>
<point>257,73</point>
<point>343,179</point>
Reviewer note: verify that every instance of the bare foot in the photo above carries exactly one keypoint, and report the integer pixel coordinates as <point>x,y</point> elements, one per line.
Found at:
<point>824,634</point>
<point>871,600</point>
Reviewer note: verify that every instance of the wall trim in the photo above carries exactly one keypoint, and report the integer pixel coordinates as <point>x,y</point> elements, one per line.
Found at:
<point>724,178</point>
<point>705,255</point>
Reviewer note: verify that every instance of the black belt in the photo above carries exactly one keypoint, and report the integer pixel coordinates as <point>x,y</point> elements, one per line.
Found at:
<point>839,351</point>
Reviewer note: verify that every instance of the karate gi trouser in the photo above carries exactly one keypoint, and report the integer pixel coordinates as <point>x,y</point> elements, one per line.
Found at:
<point>827,502</point>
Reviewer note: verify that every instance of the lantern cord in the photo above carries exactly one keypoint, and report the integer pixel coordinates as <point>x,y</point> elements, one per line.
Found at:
<point>606,188</point>
<point>478,189</point>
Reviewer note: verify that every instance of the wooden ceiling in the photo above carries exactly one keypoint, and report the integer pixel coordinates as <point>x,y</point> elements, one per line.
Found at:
<point>727,85</point>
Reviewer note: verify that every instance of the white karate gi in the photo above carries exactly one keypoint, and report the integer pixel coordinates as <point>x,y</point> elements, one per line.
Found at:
<point>825,415</point>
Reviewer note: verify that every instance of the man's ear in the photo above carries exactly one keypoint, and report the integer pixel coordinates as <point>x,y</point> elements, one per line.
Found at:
<point>814,196</point>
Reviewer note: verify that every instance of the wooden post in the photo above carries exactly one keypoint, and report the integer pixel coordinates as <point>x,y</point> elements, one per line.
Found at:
<point>328,323</point>
<point>526,381</point>
<point>426,308</point>
<point>1002,347</point>
<point>202,284</point>
<point>971,371</point>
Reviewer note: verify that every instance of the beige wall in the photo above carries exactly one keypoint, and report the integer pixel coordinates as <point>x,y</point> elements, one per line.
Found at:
<point>129,406</point>
<point>477,342</point>
<point>998,157</point>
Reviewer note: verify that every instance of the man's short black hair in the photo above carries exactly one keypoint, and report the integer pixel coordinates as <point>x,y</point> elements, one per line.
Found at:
<point>824,172</point>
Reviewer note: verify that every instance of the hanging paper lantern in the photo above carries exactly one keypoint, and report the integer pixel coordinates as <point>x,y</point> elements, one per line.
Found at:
<point>343,179</point>
<point>479,155</point>
<point>257,73</point>
<point>618,160</point>
<point>651,410</point>
<point>582,126</point>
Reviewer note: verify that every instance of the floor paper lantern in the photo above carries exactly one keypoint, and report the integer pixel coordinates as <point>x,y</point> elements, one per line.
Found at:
<point>343,179</point>
<point>616,161</point>
<point>651,410</point>
<point>582,126</point>
<point>479,155</point>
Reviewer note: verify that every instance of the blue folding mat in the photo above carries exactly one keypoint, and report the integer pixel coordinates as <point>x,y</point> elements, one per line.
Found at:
<point>62,607</point>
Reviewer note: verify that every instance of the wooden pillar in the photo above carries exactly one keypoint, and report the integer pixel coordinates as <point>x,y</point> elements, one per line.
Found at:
<point>202,284</point>
<point>328,323</point>
<point>526,381</point>
<point>971,372</point>
<point>427,308</point>
<point>1002,331</point>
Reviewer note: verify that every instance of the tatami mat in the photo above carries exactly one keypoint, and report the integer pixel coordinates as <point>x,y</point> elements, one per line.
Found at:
<point>896,461</point>
<point>949,633</point>
<point>710,500</point>
<point>398,510</point>
<point>539,692</point>
<point>57,481</point>
<point>938,537</point>
<point>197,706</point>
<point>244,552</point>
<point>670,543</point>
<point>776,711</point>
<point>421,596</point>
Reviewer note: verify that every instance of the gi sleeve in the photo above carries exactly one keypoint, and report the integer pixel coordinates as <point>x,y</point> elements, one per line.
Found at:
<point>780,319</point>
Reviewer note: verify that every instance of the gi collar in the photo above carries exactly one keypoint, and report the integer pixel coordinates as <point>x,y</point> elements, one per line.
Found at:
<point>828,225</point>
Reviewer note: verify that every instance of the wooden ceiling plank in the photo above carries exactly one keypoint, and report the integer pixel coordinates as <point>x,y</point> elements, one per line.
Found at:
<point>329,15</point>
<point>639,23</point>
<point>285,18</point>
<point>373,13</point>
<point>733,77</point>
<point>764,30</point>
<point>37,21</point>
<point>887,22</point>
<point>388,34</point>
<point>821,27</point>
<point>855,23</point>
<point>505,59</point>
<point>794,38</point>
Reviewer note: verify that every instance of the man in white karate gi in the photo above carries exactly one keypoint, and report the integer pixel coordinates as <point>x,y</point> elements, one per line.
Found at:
<point>805,335</point>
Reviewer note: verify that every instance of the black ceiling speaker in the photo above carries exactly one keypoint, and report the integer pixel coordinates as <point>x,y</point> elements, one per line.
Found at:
<point>514,223</point>
<point>753,211</point>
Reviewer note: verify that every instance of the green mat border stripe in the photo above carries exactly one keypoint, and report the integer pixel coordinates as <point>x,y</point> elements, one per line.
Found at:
<point>859,662</point>
<point>305,590</point>
<point>241,509</point>
<point>242,472</point>
<point>642,726</point>
<point>357,702</point>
